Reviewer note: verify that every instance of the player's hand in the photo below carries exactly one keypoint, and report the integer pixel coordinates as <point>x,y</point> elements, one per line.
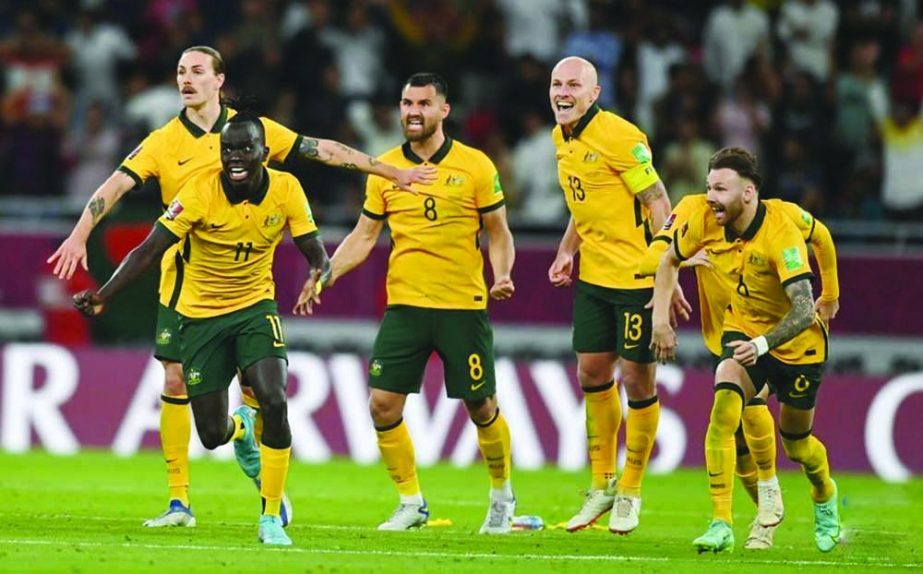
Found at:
<point>679,307</point>
<point>663,343</point>
<point>424,175</point>
<point>70,253</point>
<point>826,310</point>
<point>700,259</point>
<point>310,294</point>
<point>502,289</point>
<point>89,303</point>
<point>560,271</point>
<point>744,352</point>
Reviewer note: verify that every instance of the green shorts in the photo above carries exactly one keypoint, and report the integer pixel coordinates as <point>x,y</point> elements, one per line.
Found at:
<point>213,349</point>
<point>166,339</point>
<point>794,385</point>
<point>613,320</point>
<point>408,336</point>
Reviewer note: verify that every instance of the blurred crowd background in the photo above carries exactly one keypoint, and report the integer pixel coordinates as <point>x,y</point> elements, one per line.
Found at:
<point>826,93</point>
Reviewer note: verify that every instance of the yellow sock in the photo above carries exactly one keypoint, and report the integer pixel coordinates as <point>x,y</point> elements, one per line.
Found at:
<point>812,455</point>
<point>274,464</point>
<point>720,453</point>
<point>746,472</point>
<point>175,430</point>
<point>760,433</point>
<point>640,431</point>
<point>397,453</point>
<point>603,417</point>
<point>247,398</point>
<point>238,428</point>
<point>494,443</point>
<point>258,427</point>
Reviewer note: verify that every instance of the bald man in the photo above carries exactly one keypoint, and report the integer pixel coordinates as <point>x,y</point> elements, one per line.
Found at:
<point>616,199</point>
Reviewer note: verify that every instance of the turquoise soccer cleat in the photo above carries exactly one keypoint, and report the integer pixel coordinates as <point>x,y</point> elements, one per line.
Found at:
<point>827,523</point>
<point>286,511</point>
<point>271,531</point>
<point>718,538</point>
<point>246,450</point>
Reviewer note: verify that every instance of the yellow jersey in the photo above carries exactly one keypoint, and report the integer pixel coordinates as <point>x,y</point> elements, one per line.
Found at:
<point>747,285</point>
<point>179,151</point>
<point>715,284</point>
<point>602,165</point>
<point>231,240</point>
<point>436,260</point>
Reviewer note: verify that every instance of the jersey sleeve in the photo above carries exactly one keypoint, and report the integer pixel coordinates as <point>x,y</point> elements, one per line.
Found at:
<point>789,256</point>
<point>803,220</point>
<point>689,237</point>
<point>489,193</point>
<point>375,206</point>
<point>141,164</point>
<point>281,141</point>
<point>298,212</point>
<point>186,209</point>
<point>633,161</point>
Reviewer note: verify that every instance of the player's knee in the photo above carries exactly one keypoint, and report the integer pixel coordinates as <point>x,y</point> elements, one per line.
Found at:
<point>593,375</point>
<point>213,435</point>
<point>384,412</point>
<point>274,406</point>
<point>174,385</point>
<point>729,370</point>
<point>482,411</point>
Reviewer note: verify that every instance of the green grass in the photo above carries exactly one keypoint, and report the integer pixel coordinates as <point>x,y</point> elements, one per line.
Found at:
<point>84,514</point>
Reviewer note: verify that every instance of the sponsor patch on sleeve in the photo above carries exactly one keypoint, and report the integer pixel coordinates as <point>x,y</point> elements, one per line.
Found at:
<point>133,153</point>
<point>174,210</point>
<point>641,153</point>
<point>668,224</point>
<point>792,258</point>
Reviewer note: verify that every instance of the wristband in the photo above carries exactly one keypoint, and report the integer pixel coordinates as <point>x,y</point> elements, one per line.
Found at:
<point>762,346</point>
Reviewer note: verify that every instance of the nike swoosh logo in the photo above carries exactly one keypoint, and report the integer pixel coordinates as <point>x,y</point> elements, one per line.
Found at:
<point>714,473</point>
<point>183,162</point>
<point>478,386</point>
<point>218,225</point>
<point>277,345</point>
<point>798,395</point>
<point>632,346</point>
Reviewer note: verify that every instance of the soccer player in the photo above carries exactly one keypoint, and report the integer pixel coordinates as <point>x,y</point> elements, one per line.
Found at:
<point>755,439</point>
<point>232,219</point>
<point>183,148</point>
<point>771,335</point>
<point>614,194</point>
<point>437,297</point>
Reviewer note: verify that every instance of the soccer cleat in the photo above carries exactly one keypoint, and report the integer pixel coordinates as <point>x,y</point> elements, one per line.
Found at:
<point>177,514</point>
<point>718,538</point>
<point>770,510</point>
<point>406,516</point>
<point>760,537</point>
<point>624,518</point>
<point>246,450</point>
<point>271,531</point>
<point>598,501</point>
<point>499,518</point>
<point>827,523</point>
<point>286,511</point>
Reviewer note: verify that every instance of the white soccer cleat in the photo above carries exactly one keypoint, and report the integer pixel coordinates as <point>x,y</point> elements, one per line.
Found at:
<point>499,518</point>
<point>405,517</point>
<point>597,502</point>
<point>770,510</point>
<point>760,537</point>
<point>624,517</point>
<point>176,515</point>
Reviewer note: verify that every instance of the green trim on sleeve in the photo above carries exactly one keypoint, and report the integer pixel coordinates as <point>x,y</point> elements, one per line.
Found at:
<point>163,228</point>
<point>679,255</point>
<point>307,236</point>
<point>665,238</point>
<point>295,151</point>
<point>127,171</point>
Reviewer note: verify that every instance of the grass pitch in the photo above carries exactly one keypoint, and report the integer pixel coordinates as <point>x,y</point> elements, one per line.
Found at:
<point>84,513</point>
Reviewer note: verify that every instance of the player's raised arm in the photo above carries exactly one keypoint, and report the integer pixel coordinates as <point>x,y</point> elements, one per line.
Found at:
<point>336,154</point>
<point>655,198</point>
<point>501,251</point>
<point>73,250</point>
<point>141,258</point>
<point>355,248</point>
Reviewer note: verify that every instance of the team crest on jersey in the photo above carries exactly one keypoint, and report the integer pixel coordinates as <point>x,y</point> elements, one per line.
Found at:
<point>757,260</point>
<point>590,157</point>
<point>163,337</point>
<point>133,153</point>
<point>174,210</point>
<point>641,153</point>
<point>194,377</point>
<point>272,220</point>
<point>375,368</point>
<point>668,224</point>
<point>455,181</point>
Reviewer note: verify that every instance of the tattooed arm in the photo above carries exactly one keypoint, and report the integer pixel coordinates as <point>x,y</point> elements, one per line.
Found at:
<point>799,317</point>
<point>336,154</point>
<point>73,250</point>
<point>656,199</point>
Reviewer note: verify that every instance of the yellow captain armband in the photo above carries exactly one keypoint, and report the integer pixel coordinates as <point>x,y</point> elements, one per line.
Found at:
<point>640,177</point>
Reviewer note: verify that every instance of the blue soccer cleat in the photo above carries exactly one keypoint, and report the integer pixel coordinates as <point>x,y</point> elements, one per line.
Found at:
<point>177,514</point>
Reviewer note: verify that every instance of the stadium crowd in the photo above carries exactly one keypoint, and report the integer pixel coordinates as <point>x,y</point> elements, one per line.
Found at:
<point>826,93</point>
